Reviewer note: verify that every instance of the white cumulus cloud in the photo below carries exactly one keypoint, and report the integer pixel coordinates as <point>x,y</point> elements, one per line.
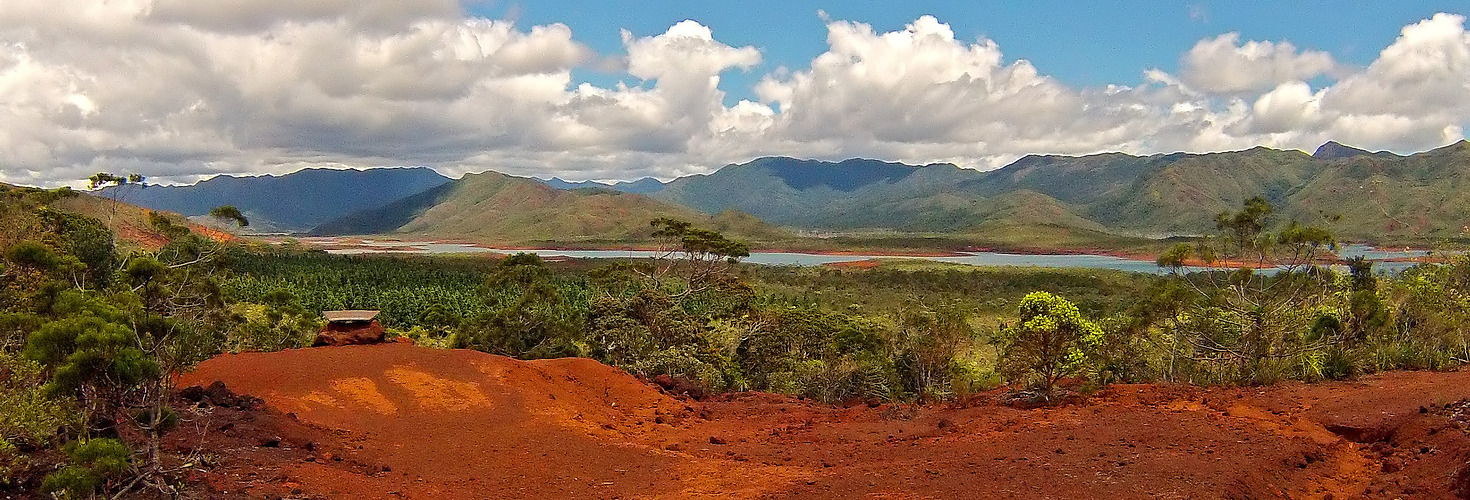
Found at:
<point>176,90</point>
<point>1225,65</point>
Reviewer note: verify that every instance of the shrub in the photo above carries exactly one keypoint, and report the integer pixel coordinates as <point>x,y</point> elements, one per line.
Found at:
<point>94,360</point>
<point>687,362</point>
<point>28,418</point>
<point>926,347</point>
<point>90,466</point>
<point>529,314</point>
<point>1051,340</point>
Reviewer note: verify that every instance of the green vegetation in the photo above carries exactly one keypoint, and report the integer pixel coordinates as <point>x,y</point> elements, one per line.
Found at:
<point>89,336</point>
<point>89,333</point>
<point>924,330</point>
<point>500,209</point>
<point>92,465</point>
<point>231,214</point>
<point>1359,196</point>
<point>406,289</point>
<point>1050,340</point>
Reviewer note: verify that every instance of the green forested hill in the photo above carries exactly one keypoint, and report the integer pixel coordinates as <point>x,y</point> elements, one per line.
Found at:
<point>1358,194</point>
<point>499,209</point>
<point>297,201</point>
<point>1401,199</point>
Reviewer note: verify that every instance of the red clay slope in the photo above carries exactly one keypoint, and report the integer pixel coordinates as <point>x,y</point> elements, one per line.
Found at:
<point>463,424</point>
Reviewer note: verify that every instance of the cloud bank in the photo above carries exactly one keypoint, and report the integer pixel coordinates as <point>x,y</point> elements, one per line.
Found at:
<point>178,89</point>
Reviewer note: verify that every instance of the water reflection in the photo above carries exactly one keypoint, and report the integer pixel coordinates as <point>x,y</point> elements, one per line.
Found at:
<point>359,247</point>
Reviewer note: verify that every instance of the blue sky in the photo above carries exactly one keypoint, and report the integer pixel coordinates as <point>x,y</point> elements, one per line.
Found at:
<point>182,89</point>
<point>1079,43</point>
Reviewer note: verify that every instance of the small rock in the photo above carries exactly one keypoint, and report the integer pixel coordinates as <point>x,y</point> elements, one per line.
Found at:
<point>1391,465</point>
<point>716,440</point>
<point>192,393</point>
<point>1460,482</point>
<point>339,334</point>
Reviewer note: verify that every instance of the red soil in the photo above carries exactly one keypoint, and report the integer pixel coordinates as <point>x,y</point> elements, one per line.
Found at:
<point>146,238</point>
<point>151,239</point>
<point>212,233</point>
<point>398,421</point>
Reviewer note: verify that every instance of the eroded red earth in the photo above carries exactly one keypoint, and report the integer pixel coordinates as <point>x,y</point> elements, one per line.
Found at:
<point>398,421</point>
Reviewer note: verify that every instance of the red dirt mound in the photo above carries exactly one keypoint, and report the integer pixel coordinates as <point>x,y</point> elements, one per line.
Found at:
<point>407,422</point>
<point>465,424</point>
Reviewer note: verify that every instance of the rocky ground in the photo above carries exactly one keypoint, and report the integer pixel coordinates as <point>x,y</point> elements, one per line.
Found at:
<point>399,421</point>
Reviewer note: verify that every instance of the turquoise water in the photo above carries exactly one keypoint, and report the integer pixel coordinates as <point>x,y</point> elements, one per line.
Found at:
<point>807,259</point>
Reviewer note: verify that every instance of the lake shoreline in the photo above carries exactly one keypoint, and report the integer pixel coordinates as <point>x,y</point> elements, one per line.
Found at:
<point>1095,258</point>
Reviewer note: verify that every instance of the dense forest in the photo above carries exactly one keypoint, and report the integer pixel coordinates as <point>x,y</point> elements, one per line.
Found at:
<point>92,327</point>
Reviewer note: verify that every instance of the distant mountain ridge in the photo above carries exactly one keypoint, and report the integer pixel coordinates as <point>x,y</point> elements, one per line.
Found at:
<point>1417,196</point>
<point>1357,194</point>
<point>294,202</point>
<point>1333,150</point>
<point>495,208</point>
<point>645,185</point>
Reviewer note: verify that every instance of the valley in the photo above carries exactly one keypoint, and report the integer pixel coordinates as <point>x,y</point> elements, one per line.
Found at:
<point>465,249</point>
<point>1103,203</point>
<point>1393,260</point>
<point>532,341</point>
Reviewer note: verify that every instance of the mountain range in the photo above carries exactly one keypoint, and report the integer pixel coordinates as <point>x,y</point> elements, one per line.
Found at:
<point>496,208</point>
<point>1358,194</point>
<point>641,186</point>
<point>295,202</point>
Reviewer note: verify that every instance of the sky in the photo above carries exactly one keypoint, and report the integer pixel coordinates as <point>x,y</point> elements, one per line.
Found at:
<point>179,90</point>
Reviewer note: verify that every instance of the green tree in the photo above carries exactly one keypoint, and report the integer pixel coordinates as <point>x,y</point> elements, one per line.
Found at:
<point>1244,228</point>
<point>1245,325</point>
<point>96,361</point>
<point>528,316</point>
<point>229,213</point>
<point>700,256</point>
<point>1050,340</point>
<point>92,465</point>
<point>104,179</point>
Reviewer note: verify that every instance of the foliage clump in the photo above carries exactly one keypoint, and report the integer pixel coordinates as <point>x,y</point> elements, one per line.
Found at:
<point>92,465</point>
<point>88,338</point>
<point>1050,340</point>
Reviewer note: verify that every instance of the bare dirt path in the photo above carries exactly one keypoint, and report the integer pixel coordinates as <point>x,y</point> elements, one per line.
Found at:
<point>398,421</point>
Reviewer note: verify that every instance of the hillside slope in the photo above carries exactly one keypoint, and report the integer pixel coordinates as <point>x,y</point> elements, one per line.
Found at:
<point>130,225</point>
<point>500,209</point>
<point>646,185</point>
<point>398,421</point>
<point>292,202</point>
<point>1360,195</point>
<point>816,194</point>
<point>1409,199</point>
